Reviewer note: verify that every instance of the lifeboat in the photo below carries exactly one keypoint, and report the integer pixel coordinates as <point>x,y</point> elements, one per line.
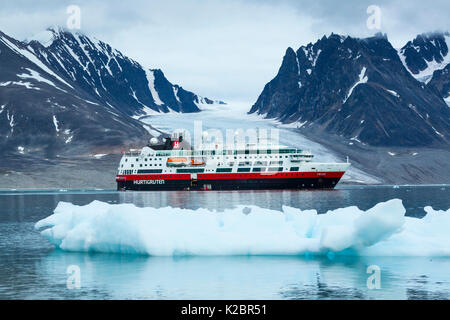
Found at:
<point>177,162</point>
<point>198,163</point>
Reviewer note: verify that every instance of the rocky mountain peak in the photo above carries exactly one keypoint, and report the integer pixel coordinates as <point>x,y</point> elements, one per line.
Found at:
<point>61,90</point>
<point>358,89</point>
<point>425,54</point>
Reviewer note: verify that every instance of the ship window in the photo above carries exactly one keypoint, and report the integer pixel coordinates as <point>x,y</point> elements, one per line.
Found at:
<point>293,169</point>
<point>243,169</point>
<point>275,169</point>
<point>222,170</point>
<point>126,160</point>
<point>137,159</point>
<point>260,163</point>
<point>132,165</point>
<point>150,171</point>
<point>140,165</point>
<point>190,170</point>
<point>258,169</point>
<point>276,163</point>
<point>145,159</point>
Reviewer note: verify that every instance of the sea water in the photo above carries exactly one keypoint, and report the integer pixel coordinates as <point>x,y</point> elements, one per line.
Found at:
<point>226,245</point>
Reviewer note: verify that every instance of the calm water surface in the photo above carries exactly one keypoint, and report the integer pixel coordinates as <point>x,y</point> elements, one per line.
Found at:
<point>30,268</point>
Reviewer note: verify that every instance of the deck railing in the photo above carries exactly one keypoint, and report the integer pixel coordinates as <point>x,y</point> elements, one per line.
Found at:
<point>199,153</point>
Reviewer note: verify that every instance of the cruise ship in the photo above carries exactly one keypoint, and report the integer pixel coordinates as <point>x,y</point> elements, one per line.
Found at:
<point>174,165</point>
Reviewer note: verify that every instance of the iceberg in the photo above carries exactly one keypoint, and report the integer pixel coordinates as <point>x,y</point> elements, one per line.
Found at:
<point>383,230</point>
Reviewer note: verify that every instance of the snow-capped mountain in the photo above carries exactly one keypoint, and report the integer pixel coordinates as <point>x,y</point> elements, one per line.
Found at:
<point>40,112</point>
<point>427,53</point>
<point>110,77</point>
<point>65,91</point>
<point>358,89</point>
<point>427,57</point>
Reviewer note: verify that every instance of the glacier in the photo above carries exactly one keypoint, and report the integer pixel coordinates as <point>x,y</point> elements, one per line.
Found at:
<point>234,116</point>
<point>383,230</point>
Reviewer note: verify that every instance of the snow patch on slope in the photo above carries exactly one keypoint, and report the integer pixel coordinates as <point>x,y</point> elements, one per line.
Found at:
<point>30,56</point>
<point>394,93</point>
<point>36,76</point>
<point>27,85</point>
<point>55,122</point>
<point>146,111</point>
<point>151,85</point>
<point>447,100</point>
<point>362,79</point>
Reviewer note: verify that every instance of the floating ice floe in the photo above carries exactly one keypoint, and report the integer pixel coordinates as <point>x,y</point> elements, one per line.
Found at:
<point>124,228</point>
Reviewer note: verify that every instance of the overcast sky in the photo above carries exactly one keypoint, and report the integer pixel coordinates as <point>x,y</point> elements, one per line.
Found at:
<point>222,49</point>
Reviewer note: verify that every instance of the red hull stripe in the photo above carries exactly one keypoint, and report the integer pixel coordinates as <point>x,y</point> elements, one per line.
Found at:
<point>231,176</point>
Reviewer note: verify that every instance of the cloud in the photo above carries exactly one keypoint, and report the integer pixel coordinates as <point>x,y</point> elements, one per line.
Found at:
<point>222,49</point>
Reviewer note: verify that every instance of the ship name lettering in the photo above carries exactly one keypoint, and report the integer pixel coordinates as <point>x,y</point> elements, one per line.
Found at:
<point>148,181</point>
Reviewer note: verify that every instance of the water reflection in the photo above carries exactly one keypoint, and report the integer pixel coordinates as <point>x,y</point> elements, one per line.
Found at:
<point>414,199</point>
<point>106,276</point>
<point>28,207</point>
